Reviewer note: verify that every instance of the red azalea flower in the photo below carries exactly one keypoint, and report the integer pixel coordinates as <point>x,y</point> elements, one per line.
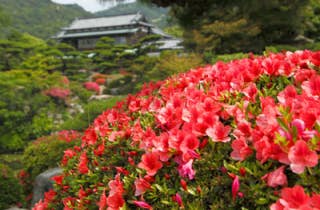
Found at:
<point>100,150</point>
<point>68,203</point>
<point>250,92</point>
<point>90,137</point>
<point>103,201</point>
<point>82,167</point>
<point>315,201</point>
<point>41,205</point>
<point>150,162</point>
<point>50,195</point>
<point>69,153</point>
<point>116,185</point>
<point>294,197</point>
<point>301,156</point>
<point>312,87</point>
<point>190,142</point>
<point>58,179</point>
<point>241,150</point>
<point>115,201</point>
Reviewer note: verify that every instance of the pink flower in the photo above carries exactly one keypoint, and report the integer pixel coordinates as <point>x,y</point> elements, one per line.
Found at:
<point>276,178</point>
<point>186,170</point>
<point>219,132</point>
<point>241,150</point>
<point>93,86</point>
<point>235,187</point>
<point>177,198</point>
<point>57,92</point>
<point>142,204</point>
<point>251,91</point>
<point>301,156</point>
<point>141,186</point>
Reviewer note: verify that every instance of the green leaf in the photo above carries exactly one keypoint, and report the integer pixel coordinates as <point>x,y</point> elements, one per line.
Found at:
<point>282,124</point>
<point>261,201</point>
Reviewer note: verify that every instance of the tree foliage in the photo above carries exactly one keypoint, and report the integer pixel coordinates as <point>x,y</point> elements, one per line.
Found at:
<point>24,109</point>
<point>244,25</point>
<point>39,18</point>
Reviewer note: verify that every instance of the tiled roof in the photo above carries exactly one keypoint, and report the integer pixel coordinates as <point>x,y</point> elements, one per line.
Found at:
<point>105,21</point>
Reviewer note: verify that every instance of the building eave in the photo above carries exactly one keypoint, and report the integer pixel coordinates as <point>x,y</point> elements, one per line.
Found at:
<point>96,33</point>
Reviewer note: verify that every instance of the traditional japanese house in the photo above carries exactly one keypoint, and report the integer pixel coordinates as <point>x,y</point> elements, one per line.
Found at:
<point>124,29</point>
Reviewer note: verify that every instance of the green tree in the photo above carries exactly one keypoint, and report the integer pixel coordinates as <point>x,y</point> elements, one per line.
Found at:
<point>106,54</point>
<point>312,20</point>
<point>16,49</point>
<point>56,57</point>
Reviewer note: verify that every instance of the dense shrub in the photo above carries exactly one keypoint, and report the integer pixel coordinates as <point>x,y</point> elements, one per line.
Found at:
<point>45,153</point>
<point>228,57</point>
<point>237,135</point>
<point>91,110</point>
<point>171,63</point>
<point>10,189</point>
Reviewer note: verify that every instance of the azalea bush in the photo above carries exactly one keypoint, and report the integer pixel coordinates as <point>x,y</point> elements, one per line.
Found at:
<point>92,86</point>
<point>237,135</point>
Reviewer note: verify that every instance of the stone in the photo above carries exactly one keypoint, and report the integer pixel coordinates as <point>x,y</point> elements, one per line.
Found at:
<point>43,183</point>
<point>99,97</point>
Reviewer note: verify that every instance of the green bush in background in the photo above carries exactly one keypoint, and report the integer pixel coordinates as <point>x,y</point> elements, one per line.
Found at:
<point>10,189</point>
<point>24,108</point>
<point>91,110</point>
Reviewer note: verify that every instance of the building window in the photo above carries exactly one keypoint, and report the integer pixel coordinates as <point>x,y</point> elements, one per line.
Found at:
<point>87,43</point>
<point>120,39</point>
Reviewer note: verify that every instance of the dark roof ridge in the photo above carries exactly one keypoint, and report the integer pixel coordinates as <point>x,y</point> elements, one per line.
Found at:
<point>97,17</point>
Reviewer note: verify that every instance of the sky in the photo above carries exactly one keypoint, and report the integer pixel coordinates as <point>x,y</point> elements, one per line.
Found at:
<point>89,5</point>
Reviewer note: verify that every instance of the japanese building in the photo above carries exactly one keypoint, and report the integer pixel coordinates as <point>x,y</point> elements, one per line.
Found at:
<point>124,29</point>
